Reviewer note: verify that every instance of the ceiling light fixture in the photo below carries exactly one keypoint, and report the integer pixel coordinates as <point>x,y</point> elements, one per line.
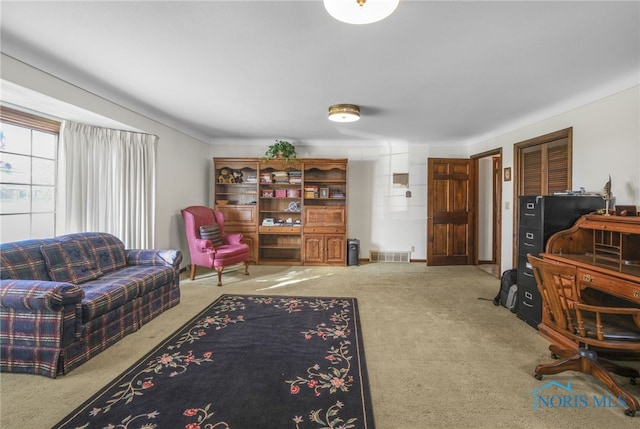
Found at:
<point>344,113</point>
<point>360,11</point>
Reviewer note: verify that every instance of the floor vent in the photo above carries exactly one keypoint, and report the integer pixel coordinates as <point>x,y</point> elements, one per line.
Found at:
<point>389,256</point>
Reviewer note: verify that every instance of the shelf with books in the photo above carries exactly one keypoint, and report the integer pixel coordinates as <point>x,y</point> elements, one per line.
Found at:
<point>280,213</point>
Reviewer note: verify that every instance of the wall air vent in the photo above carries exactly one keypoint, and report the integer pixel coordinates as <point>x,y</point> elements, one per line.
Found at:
<point>389,256</point>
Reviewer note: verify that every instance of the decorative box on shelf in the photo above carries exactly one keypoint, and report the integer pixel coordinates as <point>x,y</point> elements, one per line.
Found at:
<point>293,193</point>
<point>267,193</point>
<point>281,193</point>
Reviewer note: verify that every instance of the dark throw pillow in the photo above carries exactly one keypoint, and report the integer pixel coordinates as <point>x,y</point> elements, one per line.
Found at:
<point>211,233</point>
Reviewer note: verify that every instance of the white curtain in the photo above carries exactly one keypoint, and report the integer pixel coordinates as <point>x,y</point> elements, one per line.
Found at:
<point>106,182</point>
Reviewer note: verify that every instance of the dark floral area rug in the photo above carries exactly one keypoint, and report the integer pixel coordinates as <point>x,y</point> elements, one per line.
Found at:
<point>246,362</point>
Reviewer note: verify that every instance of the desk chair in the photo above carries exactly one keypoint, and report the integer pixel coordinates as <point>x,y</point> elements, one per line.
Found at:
<point>595,329</point>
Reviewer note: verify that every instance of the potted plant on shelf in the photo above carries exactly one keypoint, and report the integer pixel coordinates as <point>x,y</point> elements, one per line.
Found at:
<point>280,149</point>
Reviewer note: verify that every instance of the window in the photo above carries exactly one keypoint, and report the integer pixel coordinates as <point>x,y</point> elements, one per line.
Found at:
<point>28,147</point>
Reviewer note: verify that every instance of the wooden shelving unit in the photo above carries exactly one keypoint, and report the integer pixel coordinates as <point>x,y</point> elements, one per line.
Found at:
<point>236,195</point>
<point>287,225</point>
<point>280,211</point>
<point>325,212</point>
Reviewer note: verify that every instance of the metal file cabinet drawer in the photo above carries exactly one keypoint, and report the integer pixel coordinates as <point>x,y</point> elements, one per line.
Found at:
<point>529,306</point>
<point>525,273</point>
<point>531,241</point>
<point>530,211</point>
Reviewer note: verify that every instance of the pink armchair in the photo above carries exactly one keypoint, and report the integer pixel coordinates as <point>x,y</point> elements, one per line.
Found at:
<point>203,252</point>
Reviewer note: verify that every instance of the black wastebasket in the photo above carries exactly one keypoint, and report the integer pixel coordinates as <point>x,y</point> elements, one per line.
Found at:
<point>353,251</point>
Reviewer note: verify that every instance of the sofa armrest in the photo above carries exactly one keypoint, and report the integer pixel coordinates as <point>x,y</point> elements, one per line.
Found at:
<point>170,257</point>
<point>233,238</point>
<point>38,294</point>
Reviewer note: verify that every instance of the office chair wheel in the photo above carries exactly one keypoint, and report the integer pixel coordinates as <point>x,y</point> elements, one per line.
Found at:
<point>629,412</point>
<point>538,376</point>
<point>554,356</point>
<point>633,381</point>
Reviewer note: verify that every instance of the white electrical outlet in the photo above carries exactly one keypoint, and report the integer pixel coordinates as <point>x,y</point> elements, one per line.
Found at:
<point>413,248</point>
<point>506,205</point>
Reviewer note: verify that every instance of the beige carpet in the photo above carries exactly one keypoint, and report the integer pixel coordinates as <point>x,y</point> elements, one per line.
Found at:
<point>438,357</point>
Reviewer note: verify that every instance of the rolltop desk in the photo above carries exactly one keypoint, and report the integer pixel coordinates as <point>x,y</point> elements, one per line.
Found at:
<point>606,252</point>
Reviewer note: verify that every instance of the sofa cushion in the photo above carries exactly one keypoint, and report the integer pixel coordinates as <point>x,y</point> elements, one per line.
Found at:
<point>22,260</point>
<point>106,294</point>
<point>211,233</point>
<point>69,261</point>
<point>119,287</point>
<point>146,277</point>
<point>108,250</point>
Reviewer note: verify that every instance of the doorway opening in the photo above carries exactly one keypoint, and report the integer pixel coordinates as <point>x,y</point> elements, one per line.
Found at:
<point>488,218</point>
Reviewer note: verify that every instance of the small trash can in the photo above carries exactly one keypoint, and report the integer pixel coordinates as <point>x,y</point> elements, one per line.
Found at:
<point>353,251</point>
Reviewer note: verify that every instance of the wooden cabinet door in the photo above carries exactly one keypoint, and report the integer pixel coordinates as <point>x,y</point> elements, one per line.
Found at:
<point>252,241</point>
<point>324,249</point>
<point>336,249</point>
<point>238,216</point>
<point>313,248</point>
<point>325,216</point>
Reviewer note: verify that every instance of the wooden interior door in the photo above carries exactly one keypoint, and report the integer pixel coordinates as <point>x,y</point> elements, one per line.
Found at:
<point>450,211</point>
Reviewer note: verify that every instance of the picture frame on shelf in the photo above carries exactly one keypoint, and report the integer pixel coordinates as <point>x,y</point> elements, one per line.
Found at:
<point>324,192</point>
<point>626,211</point>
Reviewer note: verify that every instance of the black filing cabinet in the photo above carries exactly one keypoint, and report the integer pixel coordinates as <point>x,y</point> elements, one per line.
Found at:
<point>540,218</point>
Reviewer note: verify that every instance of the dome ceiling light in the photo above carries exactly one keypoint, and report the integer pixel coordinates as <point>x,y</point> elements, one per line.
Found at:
<point>344,113</point>
<point>360,11</point>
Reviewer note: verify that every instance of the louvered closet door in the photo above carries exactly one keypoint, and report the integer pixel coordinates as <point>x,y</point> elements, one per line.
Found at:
<point>545,164</point>
<point>545,168</point>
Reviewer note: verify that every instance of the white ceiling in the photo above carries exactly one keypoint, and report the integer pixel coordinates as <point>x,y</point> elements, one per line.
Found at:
<point>433,72</point>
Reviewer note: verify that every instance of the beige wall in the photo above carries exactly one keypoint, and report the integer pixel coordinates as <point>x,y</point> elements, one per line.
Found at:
<point>606,140</point>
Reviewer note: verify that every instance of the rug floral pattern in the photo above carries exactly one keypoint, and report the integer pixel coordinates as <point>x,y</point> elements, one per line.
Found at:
<point>245,362</point>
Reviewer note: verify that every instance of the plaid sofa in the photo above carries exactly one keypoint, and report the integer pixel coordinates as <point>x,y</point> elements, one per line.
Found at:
<point>63,300</point>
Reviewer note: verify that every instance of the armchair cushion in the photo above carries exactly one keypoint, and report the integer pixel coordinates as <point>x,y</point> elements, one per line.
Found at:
<point>70,262</point>
<point>211,233</point>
